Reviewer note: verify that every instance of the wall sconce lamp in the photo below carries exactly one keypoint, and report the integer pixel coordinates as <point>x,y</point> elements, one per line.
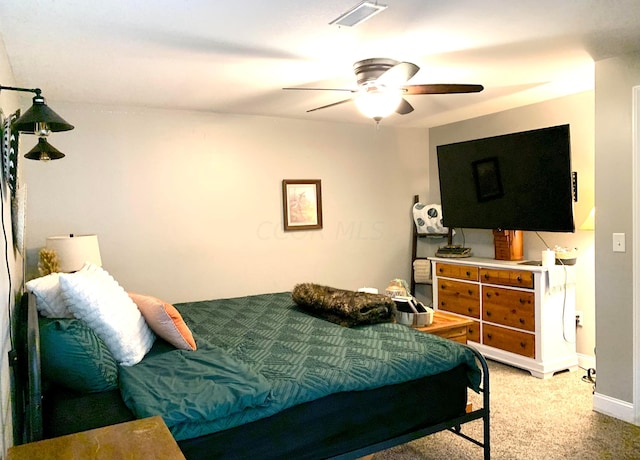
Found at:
<point>40,120</point>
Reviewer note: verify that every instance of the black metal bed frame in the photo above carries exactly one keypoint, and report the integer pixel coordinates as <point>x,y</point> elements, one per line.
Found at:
<point>453,425</point>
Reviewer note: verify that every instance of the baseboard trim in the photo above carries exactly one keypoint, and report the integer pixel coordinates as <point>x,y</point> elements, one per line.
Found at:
<point>586,361</point>
<point>613,407</point>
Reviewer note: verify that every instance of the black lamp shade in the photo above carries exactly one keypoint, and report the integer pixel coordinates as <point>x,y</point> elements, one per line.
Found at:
<point>40,113</point>
<point>44,151</point>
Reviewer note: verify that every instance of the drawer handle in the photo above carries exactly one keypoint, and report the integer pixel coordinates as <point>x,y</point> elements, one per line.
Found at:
<point>521,320</point>
<point>523,301</point>
<point>488,313</point>
<point>468,273</point>
<point>469,309</point>
<point>489,336</point>
<point>441,270</point>
<point>519,278</point>
<point>469,291</point>
<point>442,304</point>
<point>488,295</point>
<point>486,276</point>
<point>523,345</point>
<point>442,286</point>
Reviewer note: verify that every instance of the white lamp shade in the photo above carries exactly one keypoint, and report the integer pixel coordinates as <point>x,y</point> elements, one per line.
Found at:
<point>590,222</point>
<point>74,250</point>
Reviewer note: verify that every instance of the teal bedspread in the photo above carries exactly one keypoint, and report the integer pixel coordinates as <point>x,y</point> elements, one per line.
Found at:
<point>261,354</point>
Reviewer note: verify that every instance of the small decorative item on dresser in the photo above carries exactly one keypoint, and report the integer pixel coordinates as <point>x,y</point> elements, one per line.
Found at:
<point>48,262</point>
<point>397,288</point>
<point>566,256</point>
<point>508,244</point>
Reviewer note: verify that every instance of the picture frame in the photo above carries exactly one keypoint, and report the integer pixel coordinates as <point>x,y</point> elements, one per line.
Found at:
<point>302,204</point>
<point>486,174</point>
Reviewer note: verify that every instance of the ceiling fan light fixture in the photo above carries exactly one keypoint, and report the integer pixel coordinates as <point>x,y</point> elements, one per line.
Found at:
<point>358,14</point>
<point>378,103</point>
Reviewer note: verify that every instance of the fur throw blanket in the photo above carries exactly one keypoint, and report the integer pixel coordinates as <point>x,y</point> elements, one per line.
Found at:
<point>346,308</point>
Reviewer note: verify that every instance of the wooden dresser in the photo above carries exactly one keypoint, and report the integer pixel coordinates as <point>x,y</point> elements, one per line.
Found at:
<point>521,315</point>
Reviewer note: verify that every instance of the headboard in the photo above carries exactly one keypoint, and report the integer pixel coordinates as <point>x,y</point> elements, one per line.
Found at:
<point>28,376</point>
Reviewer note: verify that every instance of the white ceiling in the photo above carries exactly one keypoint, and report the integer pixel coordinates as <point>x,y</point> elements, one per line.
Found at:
<point>235,56</point>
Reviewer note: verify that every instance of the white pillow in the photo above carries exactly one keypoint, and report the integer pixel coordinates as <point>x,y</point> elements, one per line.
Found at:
<point>49,301</point>
<point>93,296</point>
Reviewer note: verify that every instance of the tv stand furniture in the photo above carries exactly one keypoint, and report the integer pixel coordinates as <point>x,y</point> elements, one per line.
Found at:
<point>523,315</point>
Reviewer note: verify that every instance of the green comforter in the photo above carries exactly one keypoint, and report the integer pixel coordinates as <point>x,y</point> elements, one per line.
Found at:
<point>261,354</point>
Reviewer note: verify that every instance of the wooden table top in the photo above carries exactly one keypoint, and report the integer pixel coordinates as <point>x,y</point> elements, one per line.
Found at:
<point>443,321</point>
<point>143,439</point>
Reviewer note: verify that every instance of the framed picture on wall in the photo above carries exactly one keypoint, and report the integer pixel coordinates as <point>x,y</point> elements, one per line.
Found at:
<point>302,204</point>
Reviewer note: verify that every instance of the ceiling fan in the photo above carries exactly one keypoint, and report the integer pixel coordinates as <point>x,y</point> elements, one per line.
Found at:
<point>382,87</point>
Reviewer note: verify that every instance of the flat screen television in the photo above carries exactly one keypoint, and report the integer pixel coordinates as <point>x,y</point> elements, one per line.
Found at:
<point>519,181</point>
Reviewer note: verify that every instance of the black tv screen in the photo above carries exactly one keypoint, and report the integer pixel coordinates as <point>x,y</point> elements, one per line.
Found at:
<point>519,181</point>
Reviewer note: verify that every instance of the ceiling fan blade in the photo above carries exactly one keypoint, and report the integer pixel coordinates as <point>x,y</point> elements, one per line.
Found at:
<point>323,89</point>
<point>404,107</point>
<point>398,75</point>
<point>330,105</point>
<point>442,88</point>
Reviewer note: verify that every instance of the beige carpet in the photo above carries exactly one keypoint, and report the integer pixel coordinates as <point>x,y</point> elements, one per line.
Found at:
<point>533,419</point>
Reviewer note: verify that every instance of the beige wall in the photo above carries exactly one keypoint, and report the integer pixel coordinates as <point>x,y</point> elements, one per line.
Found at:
<point>188,206</point>
<point>578,111</point>
<point>614,282</point>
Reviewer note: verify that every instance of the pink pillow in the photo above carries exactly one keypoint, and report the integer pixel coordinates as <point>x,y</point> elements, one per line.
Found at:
<point>165,321</point>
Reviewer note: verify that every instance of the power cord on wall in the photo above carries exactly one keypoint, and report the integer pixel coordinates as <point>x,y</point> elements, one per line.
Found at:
<point>6,257</point>
<point>590,378</point>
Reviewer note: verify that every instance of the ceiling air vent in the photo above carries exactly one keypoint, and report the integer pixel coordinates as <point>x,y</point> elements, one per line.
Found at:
<point>358,14</point>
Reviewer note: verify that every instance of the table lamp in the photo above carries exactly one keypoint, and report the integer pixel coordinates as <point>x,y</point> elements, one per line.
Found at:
<point>74,250</point>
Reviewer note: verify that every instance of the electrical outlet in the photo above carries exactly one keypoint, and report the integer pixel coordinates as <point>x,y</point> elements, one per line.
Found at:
<point>579,318</point>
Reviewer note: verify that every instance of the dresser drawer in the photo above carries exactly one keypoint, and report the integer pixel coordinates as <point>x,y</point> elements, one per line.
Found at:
<point>517,278</point>
<point>457,334</point>
<point>509,307</point>
<point>459,297</point>
<point>473,332</point>
<point>518,342</point>
<point>461,272</point>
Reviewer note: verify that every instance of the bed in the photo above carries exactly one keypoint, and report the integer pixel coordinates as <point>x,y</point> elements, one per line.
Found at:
<point>308,388</point>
